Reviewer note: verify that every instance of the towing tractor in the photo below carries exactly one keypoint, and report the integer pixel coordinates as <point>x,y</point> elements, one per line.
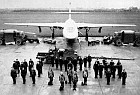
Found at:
<point>126,37</point>
<point>12,35</point>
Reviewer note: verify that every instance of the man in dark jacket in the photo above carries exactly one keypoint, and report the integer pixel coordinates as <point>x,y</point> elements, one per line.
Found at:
<point>31,64</point>
<point>70,65</point>
<point>89,59</point>
<point>61,63</point>
<point>101,70</point>
<point>62,81</point>
<point>124,76</point>
<point>33,74</point>
<point>75,64</point>
<point>38,67</point>
<point>56,62</point>
<point>80,63</point>
<point>108,75</point>
<point>85,61</point>
<point>13,75</point>
<point>25,64</point>
<point>18,65</point>
<point>85,76</point>
<point>66,63</point>
<point>52,60</point>
<point>50,76</point>
<point>75,80</point>
<point>69,74</point>
<point>96,68</point>
<point>23,75</point>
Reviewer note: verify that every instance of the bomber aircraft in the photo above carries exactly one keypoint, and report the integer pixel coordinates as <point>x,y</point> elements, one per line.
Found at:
<point>70,27</point>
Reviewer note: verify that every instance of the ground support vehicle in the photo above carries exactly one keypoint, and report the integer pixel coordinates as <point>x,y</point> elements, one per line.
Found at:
<point>65,53</point>
<point>12,35</point>
<point>126,37</point>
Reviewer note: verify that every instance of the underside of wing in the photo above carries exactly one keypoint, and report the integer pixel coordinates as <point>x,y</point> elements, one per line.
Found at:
<point>38,24</point>
<point>82,25</point>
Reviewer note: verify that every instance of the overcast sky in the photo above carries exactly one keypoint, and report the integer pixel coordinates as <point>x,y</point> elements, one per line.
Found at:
<point>65,3</point>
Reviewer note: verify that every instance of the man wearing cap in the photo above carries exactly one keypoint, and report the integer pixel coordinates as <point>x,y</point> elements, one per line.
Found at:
<point>85,76</point>
<point>62,80</point>
<point>13,75</point>
<point>50,76</point>
<point>75,80</point>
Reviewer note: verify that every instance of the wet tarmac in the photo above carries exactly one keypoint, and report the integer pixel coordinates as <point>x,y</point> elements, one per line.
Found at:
<point>94,86</point>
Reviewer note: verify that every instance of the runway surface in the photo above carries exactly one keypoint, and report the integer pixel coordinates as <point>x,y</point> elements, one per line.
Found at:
<point>94,86</point>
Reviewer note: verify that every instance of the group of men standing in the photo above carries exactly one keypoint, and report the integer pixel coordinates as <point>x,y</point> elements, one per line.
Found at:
<point>67,62</point>
<point>70,66</point>
<point>21,68</point>
<point>109,70</point>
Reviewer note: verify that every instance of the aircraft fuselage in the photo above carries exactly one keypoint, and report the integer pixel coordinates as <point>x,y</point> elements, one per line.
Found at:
<point>70,30</point>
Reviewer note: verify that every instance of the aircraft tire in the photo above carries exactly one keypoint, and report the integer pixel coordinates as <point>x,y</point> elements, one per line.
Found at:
<point>31,41</point>
<point>137,42</point>
<point>1,41</point>
<point>119,42</point>
<point>18,42</point>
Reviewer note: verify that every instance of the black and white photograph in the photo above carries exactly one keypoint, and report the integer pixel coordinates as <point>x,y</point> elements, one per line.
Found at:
<point>70,47</point>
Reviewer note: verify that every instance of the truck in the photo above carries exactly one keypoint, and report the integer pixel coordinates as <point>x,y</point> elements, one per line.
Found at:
<point>31,37</point>
<point>12,35</point>
<point>126,37</point>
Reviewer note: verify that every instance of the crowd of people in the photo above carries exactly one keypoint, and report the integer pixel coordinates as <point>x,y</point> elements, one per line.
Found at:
<point>70,67</point>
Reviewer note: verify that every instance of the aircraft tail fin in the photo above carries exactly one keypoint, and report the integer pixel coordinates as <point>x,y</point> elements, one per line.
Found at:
<point>70,12</point>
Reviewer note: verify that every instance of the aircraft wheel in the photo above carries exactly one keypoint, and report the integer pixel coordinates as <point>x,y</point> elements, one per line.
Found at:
<point>118,42</point>
<point>18,42</point>
<point>31,41</point>
<point>137,42</point>
<point>1,42</point>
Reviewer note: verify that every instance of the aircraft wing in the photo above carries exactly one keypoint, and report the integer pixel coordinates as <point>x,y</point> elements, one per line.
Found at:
<point>38,24</point>
<point>82,25</point>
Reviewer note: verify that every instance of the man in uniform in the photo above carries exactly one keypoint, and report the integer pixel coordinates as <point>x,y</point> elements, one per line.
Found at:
<point>85,61</point>
<point>31,64</point>
<point>119,67</point>
<point>56,62</point>
<point>61,63</point>
<point>65,63</point>
<point>15,66</point>
<point>23,75</point>
<point>80,63</point>
<point>89,59</point>
<point>25,65</point>
<point>101,70</point>
<point>38,67</point>
<point>124,76</point>
<point>52,60</point>
<point>70,65</point>
<point>62,81</point>
<point>50,75</point>
<point>18,65</point>
<point>75,64</point>
<point>113,70</point>
<point>75,80</point>
<point>33,74</point>
<point>108,75</point>
<point>69,74</point>
<point>96,68</point>
<point>111,66</point>
<point>41,63</point>
<point>13,75</point>
<point>85,76</point>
